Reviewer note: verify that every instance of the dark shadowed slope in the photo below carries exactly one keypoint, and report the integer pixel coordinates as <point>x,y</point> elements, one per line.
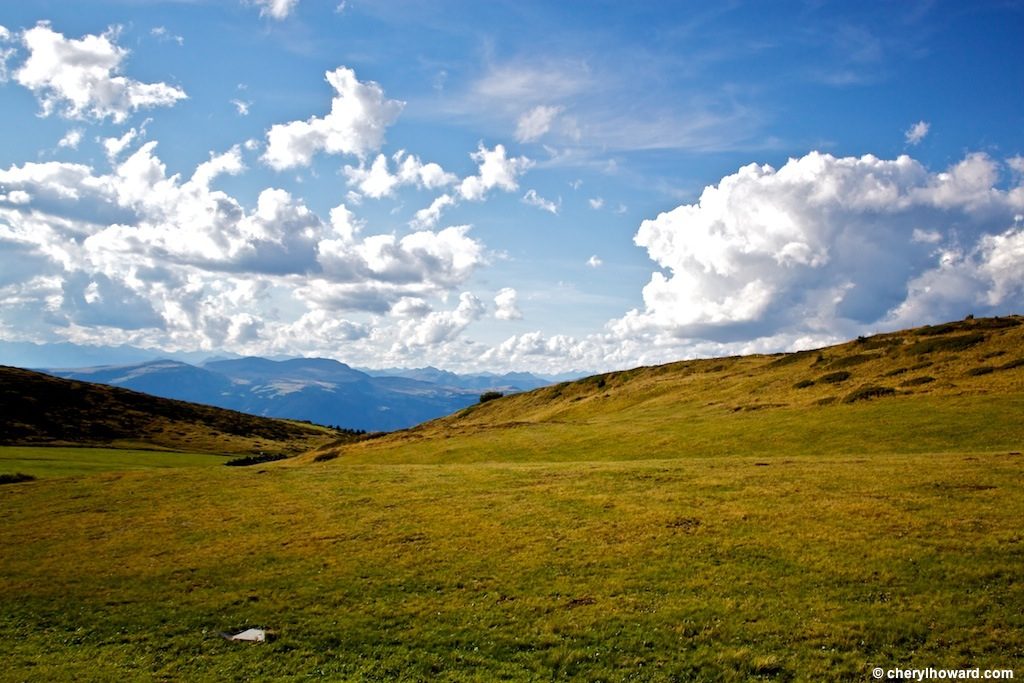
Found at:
<point>38,409</point>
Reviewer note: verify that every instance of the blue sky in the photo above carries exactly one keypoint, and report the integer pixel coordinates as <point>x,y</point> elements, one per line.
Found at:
<point>493,186</point>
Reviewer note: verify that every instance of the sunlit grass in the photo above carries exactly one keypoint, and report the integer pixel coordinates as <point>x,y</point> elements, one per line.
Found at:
<point>720,568</point>
<point>722,520</point>
<point>42,461</point>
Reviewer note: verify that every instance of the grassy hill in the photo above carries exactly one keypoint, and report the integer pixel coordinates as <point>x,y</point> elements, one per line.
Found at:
<point>957,386</point>
<point>41,410</point>
<point>735,519</point>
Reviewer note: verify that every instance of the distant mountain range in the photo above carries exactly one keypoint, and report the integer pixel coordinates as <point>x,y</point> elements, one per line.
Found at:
<point>316,389</point>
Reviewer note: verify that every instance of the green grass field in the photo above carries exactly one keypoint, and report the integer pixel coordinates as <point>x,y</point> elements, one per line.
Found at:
<point>790,518</point>
<point>43,461</point>
<point>704,568</point>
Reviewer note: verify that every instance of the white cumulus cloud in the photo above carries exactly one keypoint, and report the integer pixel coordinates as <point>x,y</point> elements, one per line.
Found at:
<point>359,116</point>
<point>506,303</point>
<point>138,255</point>
<point>71,139</point>
<point>80,78</point>
<point>114,146</point>
<point>827,245</point>
<point>429,216</point>
<point>441,326</point>
<point>378,181</point>
<point>496,170</point>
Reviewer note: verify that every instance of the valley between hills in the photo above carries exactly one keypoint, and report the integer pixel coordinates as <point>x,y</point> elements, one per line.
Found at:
<point>802,516</point>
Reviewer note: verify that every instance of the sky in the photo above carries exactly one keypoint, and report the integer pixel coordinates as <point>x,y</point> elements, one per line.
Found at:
<point>529,186</point>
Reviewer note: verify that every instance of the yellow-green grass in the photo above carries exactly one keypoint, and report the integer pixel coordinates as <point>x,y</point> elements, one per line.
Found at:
<point>702,568</point>
<point>731,519</point>
<point>42,461</point>
<point>955,387</point>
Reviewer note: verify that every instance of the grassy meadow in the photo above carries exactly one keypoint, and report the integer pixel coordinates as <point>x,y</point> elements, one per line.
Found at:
<point>789,518</point>
<point>704,568</point>
<point>43,461</point>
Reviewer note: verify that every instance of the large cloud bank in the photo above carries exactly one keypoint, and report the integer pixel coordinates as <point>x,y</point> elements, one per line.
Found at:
<point>817,251</point>
<point>826,244</point>
<point>182,264</point>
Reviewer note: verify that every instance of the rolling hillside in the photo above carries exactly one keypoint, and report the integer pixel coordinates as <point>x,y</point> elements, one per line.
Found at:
<point>755,518</point>
<point>954,386</point>
<point>38,409</point>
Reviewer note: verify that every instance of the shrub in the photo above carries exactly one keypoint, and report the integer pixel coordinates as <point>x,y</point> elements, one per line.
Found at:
<point>490,396</point>
<point>255,460</point>
<point>957,343</point>
<point>324,457</point>
<point>897,371</point>
<point>16,478</point>
<point>1012,364</point>
<point>917,381</point>
<point>867,393</point>
<point>803,384</point>
<point>981,370</point>
<point>835,377</point>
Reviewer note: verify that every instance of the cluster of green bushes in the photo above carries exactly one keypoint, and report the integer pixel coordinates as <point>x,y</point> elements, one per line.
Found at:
<point>255,459</point>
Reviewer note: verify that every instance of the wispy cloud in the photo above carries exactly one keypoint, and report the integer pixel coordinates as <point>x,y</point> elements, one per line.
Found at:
<point>533,199</point>
<point>162,34</point>
<point>535,123</point>
<point>917,132</point>
<point>276,9</point>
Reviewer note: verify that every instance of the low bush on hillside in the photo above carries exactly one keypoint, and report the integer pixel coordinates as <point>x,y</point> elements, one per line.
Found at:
<point>16,478</point>
<point>957,343</point>
<point>490,396</point>
<point>255,460</point>
<point>1018,363</point>
<point>835,377</point>
<point>324,457</point>
<point>867,393</point>
<point>917,381</point>
<point>981,370</point>
<point>804,383</point>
